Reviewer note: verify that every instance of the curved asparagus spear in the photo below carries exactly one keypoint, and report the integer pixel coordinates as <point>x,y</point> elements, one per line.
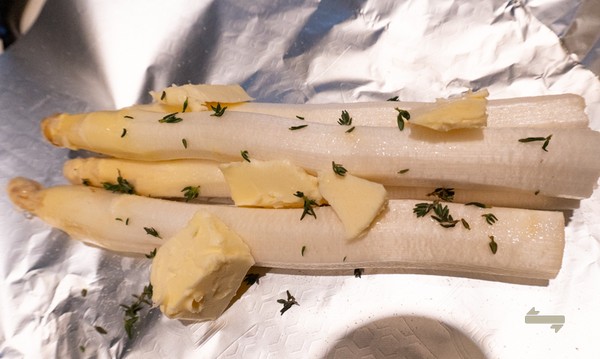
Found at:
<point>569,167</point>
<point>529,243</point>
<point>169,178</point>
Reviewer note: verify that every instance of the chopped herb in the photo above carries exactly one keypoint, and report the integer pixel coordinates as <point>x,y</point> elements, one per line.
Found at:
<point>123,133</point>
<point>82,348</point>
<point>287,303</point>
<point>100,330</point>
<point>302,251</point>
<point>191,193</point>
<point>127,221</point>
<point>350,129</point>
<point>338,169</point>
<point>184,141</point>
<point>308,205</point>
<point>533,139</point>
<point>152,254</point>
<point>122,186</point>
<point>245,156</point>
<point>129,117</point>
<point>171,118</point>
<point>151,231</point>
<point>344,259</point>
<point>537,192</point>
<point>299,117</point>
<point>443,216</point>
<point>84,292</point>
<point>493,245</point>
<point>393,99</point>
<point>403,115</point>
<point>163,95</point>
<point>252,278</point>
<point>477,204</point>
<point>345,119</point>
<point>121,220</point>
<point>403,171</point>
<point>465,223</point>
<point>86,182</point>
<point>445,194</point>
<point>185,105</point>
<point>219,111</point>
<point>489,218</point>
<point>358,272</point>
<point>132,310</point>
<point>421,209</point>
<point>294,128</point>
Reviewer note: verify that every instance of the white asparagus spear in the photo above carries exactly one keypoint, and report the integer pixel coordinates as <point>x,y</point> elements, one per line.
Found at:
<point>169,178</point>
<point>462,159</point>
<point>549,111</point>
<point>529,243</point>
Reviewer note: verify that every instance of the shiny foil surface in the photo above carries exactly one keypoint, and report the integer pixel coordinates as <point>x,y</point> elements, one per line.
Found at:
<point>61,299</point>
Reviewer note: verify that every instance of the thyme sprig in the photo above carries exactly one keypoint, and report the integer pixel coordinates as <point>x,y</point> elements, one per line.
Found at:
<point>131,315</point>
<point>219,110</point>
<point>171,118</point>
<point>358,272</point>
<point>122,186</point>
<point>345,119</point>
<point>191,192</point>
<point>445,194</point>
<point>152,254</point>
<point>287,303</point>
<point>153,232</point>
<point>489,218</point>
<point>546,141</point>
<point>252,278</point>
<point>308,205</point>
<point>443,216</point>
<point>338,169</point>
<point>245,155</point>
<point>403,116</point>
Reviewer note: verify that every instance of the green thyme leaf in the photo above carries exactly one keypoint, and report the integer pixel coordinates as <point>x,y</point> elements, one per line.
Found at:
<point>184,141</point>
<point>493,245</point>
<point>152,254</point>
<point>546,141</point>
<point>191,192</point>
<point>122,186</point>
<point>171,118</point>
<point>287,303</point>
<point>338,169</point>
<point>100,330</point>
<point>403,115</point>
<point>245,155</point>
<point>151,231</point>
<point>294,128</point>
<point>445,194</point>
<point>299,117</point>
<point>218,110</point>
<point>394,99</point>
<point>403,171</point>
<point>477,204</point>
<point>421,209</point>
<point>252,278</point>
<point>302,251</point>
<point>345,119</point>
<point>185,105</point>
<point>350,129</point>
<point>465,224</point>
<point>123,133</point>
<point>489,218</point>
<point>308,205</point>
<point>163,95</point>
<point>536,192</point>
<point>84,292</point>
<point>129,117</point>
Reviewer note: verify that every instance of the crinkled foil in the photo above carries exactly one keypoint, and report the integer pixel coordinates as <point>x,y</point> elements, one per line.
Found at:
<point>60,298</point>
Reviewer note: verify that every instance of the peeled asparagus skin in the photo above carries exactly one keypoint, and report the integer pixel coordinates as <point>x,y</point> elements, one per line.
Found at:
<point>530,243</point>
<point>168,178</point>
<point>461,158</point>
<point>548,111</point>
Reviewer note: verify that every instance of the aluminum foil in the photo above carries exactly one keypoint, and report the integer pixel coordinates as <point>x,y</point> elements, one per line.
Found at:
<point>60,298</point>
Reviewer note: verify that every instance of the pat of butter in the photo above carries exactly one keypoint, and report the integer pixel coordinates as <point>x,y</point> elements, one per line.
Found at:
<point>466,111</point>
<point>354,200</point>
<point>269,184</point>
<point>198,95</point>
<point>196,273</point>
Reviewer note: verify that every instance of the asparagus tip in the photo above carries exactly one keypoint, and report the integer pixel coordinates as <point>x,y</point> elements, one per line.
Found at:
<point>23,192</point>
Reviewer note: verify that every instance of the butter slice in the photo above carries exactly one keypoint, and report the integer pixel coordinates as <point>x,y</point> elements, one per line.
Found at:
<point>198,95</point>
<point>466,111</point>
<point>196,273</point>
<point>354,200</point>
<point>269,184</point>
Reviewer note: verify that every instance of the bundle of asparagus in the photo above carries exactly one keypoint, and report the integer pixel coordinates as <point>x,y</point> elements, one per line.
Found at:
<point>373,163</point>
